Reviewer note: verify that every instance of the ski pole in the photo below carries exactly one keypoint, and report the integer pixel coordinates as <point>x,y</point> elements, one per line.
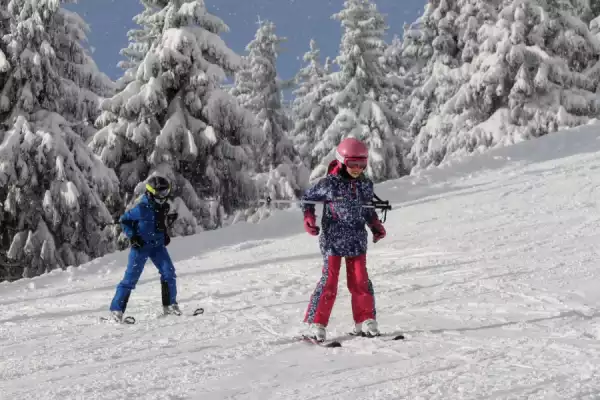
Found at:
<point>377,204</point>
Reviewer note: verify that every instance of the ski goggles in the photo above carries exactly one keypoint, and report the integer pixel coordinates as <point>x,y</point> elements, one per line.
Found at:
<point>356,163</point>
<point>159,194</point>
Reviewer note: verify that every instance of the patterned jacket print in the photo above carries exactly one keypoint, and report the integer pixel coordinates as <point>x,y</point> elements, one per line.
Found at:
<point>343,222</point>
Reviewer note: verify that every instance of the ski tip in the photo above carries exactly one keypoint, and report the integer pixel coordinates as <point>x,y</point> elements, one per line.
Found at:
<point>198,311</point>
<point>399,337</point>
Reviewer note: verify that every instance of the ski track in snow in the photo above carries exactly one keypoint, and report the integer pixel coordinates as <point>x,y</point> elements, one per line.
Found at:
<point>491,271</point>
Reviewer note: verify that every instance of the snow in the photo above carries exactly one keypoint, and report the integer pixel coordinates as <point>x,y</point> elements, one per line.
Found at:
<point>4,64</point>
<point>490,268</point>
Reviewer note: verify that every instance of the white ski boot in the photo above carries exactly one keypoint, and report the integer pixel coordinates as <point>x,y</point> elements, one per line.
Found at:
<point>318,332</point>
<point>172,309</point>
<point>371,328</point>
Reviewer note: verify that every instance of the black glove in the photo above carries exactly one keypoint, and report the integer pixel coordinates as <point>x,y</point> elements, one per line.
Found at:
<point>167,239</point>
<point>171,218</point>
<point>136,242</point>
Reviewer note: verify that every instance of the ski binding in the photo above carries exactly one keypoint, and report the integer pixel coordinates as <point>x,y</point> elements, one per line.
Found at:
<point>129,320</point>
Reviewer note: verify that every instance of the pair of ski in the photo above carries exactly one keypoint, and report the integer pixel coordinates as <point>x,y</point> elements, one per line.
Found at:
<point>129,320</point>
<point>338,342</point>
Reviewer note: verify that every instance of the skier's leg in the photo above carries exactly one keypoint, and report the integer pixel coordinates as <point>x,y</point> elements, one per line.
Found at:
<point>168,283</point>
<point>323,298</point>
<point>135,266</point>
<point>361,289</point>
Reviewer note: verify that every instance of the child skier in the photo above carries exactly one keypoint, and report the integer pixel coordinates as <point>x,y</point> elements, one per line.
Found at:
<point>344,190</point>
<point>145,226</point>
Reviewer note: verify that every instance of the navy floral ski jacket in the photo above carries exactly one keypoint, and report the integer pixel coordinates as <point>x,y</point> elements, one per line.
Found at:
<point>343,222</point>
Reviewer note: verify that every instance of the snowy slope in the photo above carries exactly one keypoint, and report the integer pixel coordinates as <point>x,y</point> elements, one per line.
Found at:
<point>491,268</point>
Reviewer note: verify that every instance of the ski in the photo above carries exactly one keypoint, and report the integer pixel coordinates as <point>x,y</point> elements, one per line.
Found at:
<point>197,311</point>
<point>337,341</point>
<point>129,320</point>
<point>326,343</point>
<point>387,336</point>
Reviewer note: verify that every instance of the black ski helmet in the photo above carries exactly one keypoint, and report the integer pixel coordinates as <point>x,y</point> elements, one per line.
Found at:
<point>158,187</point>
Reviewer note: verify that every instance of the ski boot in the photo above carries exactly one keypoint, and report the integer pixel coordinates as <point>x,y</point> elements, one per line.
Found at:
<point>172,309</point>
<point>317,332</point>
<point>116,316</point>
<point>369,328</point>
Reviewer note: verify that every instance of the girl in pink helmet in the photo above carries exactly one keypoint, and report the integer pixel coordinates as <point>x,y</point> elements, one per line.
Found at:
<point>344,190</point>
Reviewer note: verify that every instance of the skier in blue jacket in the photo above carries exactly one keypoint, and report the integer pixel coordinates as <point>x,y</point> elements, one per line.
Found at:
<point>146,227</point>
<point>344,190</point>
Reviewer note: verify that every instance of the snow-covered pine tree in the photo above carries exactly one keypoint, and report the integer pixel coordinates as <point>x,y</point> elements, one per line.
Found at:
<point>430,44</point>
<point>595,27</point>
<point>4,26</point>
<point>595,8</point>
<point>148,31</point>
<point>404,75</point>
<point>400,75</point>
<point>536,72</point>
<point>141,37</point>
<point>83,83</point>
<point>282,174</point>
<point>52,187</point>
<point>434,44</point>
<point>311,115</point>
<point>174,118</point>
<point>360,83</point>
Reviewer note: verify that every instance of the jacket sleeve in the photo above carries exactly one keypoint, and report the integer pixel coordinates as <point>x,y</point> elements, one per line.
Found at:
<point>129,221</point>
<point>369,214</point>
<point>318,192</point>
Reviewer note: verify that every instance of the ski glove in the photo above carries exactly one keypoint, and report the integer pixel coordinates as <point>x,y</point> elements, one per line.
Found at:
<point>378,230</point>
<point>167,239</point>
<point>310,224</point>
<point>136,242</point>
<point>171,218</point>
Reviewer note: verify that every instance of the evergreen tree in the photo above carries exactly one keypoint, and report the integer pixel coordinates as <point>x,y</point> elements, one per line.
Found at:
<point>432,44</point>
<point>536,73</point>
<point>311,115</point>
<point>403,77</point>
<point>595,9</point>
<point>595,27</point>
<point>52,186</point>
<point>4,29</point>
<point>172,117</point>
<point>282,175</point>
<point>360,84</point>
<point>140,39</point>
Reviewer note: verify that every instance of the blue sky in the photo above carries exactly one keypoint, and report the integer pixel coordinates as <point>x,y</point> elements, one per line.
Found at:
<point>297,20</point>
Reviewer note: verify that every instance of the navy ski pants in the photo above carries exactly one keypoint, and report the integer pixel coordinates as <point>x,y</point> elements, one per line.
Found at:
<point>137,260</point>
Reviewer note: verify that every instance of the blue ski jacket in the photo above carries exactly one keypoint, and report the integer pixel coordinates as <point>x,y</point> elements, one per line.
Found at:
<point>147,219</point>
<point>343,222</point>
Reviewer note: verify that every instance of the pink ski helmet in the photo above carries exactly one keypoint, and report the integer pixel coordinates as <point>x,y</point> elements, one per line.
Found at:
<point>352,153</point>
